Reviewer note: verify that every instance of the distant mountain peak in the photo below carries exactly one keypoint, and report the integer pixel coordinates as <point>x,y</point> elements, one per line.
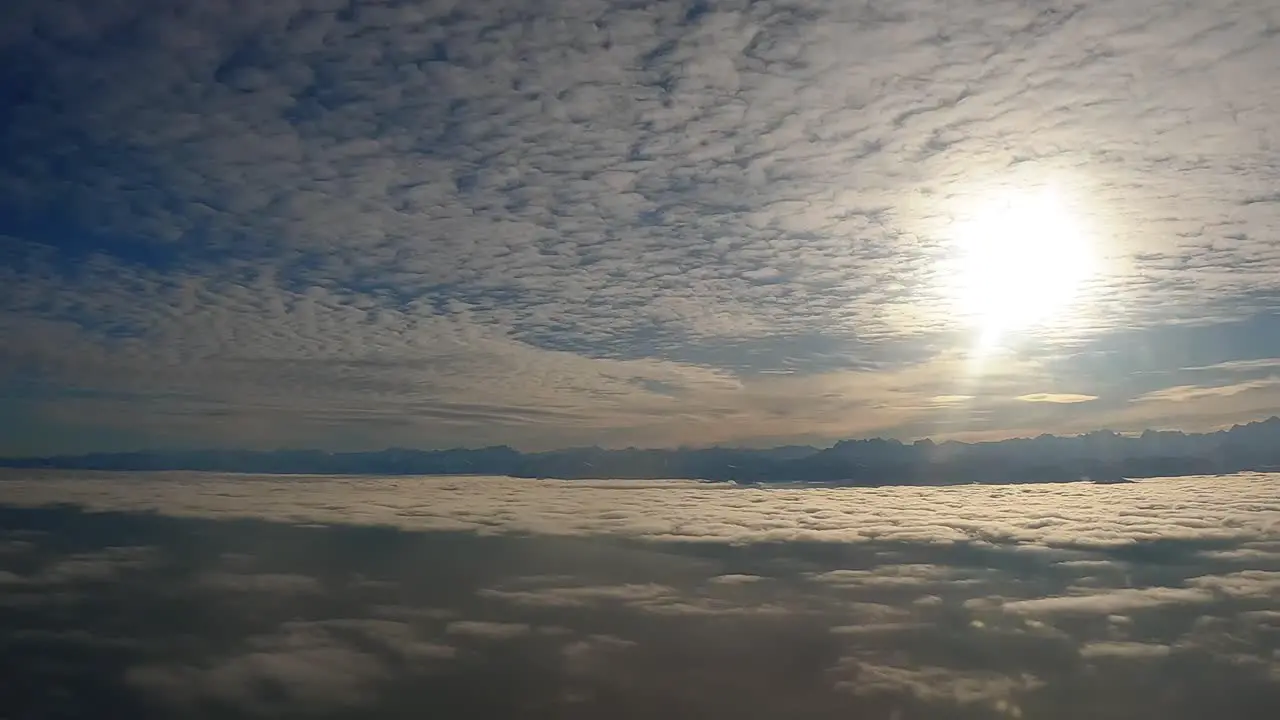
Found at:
<point>1103,455</point>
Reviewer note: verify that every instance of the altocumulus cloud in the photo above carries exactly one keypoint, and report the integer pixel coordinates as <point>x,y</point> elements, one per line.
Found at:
<point>368,223</point>
<point>1065,398</point>
<point>238,596</point>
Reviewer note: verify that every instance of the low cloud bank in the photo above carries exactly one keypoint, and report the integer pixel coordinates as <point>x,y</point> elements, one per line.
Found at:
<point>217,596</point>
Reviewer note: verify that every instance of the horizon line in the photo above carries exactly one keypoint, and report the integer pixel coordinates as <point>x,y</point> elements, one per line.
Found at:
<point>681,448</point>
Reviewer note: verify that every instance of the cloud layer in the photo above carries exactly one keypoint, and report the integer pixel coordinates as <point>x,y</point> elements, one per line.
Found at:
<point>1070,515</point>
<point>585,221</point>
<point>244,597</point>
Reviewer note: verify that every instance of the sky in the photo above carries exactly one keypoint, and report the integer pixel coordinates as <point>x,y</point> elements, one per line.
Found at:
<point>353,225</point>
<point>205,596</point>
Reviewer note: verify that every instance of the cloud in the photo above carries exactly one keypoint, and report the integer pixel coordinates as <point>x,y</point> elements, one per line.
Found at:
<point>651,598</point>
<point>1248,553</point>
<point>585,656</point>
<point>1188,393</point>
<point>1062,398</point>
<point>1110,602</point>
<point>1120,649</point>
<point>1239,366</point>
<point>939,684</point>
<point>578,596</point>
<point>1070,516</point>
<point>301,667</point>
<point>487,630</point>
<point>736,579</point>
<point>890,575</point>
<point>1245,583</point>
<point>494,596</point>
<point>104,565</point>
<point>304,224</point>
<point>710,608</point>
<point>281,583</point>
<point>401,639</point>
<point>318,678</point>
<point>871,629</point>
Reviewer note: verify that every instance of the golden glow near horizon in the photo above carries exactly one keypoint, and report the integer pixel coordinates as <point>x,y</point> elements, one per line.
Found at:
<point>1023,257</point>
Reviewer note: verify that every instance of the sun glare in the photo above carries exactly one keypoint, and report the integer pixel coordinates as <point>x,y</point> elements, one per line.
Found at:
<point>1023,258</point>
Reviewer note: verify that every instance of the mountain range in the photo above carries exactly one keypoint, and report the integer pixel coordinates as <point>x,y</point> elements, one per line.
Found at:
<point>1102,456</point>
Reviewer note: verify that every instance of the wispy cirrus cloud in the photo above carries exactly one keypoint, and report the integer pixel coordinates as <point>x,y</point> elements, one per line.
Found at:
<point>1188,393</point>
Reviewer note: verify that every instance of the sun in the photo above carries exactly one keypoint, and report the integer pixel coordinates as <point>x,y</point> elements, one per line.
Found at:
<point>1023,257</point>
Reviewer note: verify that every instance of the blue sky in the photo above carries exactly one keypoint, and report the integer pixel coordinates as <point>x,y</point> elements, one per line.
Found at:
<point>363,224</point>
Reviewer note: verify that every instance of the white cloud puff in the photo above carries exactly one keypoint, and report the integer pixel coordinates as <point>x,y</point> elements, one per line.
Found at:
<point>937,684</point>
<point>1120,649</point>
<point>1109,602</point>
